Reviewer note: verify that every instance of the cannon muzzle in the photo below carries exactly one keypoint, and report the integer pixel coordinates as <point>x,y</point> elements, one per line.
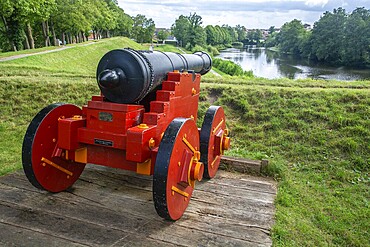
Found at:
<point>127,76</point>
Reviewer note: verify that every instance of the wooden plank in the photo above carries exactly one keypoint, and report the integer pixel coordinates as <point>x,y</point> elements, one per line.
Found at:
<point>57,226</point>
<point>106,219</point>
<point>242,165</point>
<point>115,207</point>
<point>186,236</point>
<point>245,181</point>
<point>139,201</point>
<point>17,235</point>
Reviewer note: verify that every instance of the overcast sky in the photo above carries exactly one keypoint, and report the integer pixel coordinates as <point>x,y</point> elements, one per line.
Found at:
<point>249,13</point>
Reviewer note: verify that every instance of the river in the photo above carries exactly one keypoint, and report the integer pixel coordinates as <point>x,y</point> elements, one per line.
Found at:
<point>270,64</point>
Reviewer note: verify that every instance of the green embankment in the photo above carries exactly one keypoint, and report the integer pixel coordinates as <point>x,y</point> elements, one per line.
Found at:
<point>316,135</point>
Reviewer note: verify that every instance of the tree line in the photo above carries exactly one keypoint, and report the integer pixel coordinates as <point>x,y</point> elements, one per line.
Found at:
<point>26,24</point>
<point>189,32</point>
<point>337,37</point>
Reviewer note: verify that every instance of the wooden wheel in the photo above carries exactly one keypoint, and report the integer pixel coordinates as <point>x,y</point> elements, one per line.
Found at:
<point>177,167</point>
<point>213,140</point>
<point>43,169</point>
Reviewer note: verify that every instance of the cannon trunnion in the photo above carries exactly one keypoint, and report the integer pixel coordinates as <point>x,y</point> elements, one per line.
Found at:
<point>163,141</point>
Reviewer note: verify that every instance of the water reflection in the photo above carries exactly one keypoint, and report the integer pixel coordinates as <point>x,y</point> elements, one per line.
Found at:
<point>269,64</point>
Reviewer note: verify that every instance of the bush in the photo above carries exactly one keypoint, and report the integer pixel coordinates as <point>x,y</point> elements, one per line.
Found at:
<point>213,50</point>
<point>237,44</point>
<point>230,68</point>
<point>198,48</point>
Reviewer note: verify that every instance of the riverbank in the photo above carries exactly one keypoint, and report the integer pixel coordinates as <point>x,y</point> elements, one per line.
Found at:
<point>314,132</point>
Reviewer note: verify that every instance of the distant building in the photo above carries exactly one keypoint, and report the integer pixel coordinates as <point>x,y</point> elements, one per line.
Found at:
<point>157,30</point>
<point>170,39</point>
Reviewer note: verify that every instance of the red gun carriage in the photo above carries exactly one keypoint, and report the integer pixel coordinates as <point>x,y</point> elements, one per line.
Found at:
<point>143,121</point>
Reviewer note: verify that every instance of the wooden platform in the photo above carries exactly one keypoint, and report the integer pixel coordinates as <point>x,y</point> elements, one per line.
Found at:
<point>108,207</point>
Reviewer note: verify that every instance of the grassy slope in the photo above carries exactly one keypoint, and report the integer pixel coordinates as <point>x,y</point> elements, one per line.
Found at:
<point>29,84</point>
<point>315,133</point>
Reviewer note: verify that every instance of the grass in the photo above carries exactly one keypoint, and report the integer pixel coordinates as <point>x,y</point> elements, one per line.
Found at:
<point>31,83</point>
<point>81,60</point>
<point>316,135</point>
<point>12,53</point>
<point>317,140</point>
<point>169,48</point>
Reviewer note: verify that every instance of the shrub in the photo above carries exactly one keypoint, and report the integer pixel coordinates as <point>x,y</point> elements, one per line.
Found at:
<point>212,50</point>
<point>237,44</point>
<point>230,68</point>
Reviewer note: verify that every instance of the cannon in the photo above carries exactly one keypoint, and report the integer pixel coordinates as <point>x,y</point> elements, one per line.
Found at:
<point>143,121</point>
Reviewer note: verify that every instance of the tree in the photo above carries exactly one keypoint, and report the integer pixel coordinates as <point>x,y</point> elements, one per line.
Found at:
<point>290,37</point>
<point>271,30</point>
<point>195,33</point>
<point>32,23</point>
<point>143,29</point>
<point>357,38</point>
<point>180,29</point>
<point>73,17</point>
<point>162,35</point>
<point>124,24</point>
<point>328,38</point>
<point>254,37</point>
<point>35,11</point>
<point>271,40</point>
<point>188,31</point>
<point>211,33</point>
<point>233,34</point>
<point>242,33</point>
<point>6,11</point>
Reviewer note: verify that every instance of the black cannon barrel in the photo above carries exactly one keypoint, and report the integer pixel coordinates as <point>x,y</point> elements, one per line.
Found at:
<point>127,75</point>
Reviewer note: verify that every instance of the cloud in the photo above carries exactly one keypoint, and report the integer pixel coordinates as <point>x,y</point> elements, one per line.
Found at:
<point>251,5</point>
<point>321,3</point>
<point>250,13</point>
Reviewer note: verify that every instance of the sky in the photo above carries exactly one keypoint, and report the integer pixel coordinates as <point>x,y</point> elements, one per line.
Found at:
<point>248,13</point>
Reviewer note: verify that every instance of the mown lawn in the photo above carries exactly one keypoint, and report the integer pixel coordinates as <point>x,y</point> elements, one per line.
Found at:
<point>316,135</point>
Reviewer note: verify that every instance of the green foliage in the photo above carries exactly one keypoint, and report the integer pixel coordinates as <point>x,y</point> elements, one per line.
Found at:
<point>290,37</point>
<point>316,135</point>
<point>230,68</point>
<point>254,37</point>
<point>225,35</point>
<point>242,33</point>
<point>169,48</point>
<point>143,29</point>
<point>213,51</point>
<point>328,36</point>
<point>271,40</point>
<point>237,44</point>
<point>337,38</point>
<point>162,35</point>
<point>34,23</point>
<point>188,31</point>
<point>29,84</point>
<point>357,41</point>
<point>317,140</point>
<point>180,29</point>
<point>69,60</point>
